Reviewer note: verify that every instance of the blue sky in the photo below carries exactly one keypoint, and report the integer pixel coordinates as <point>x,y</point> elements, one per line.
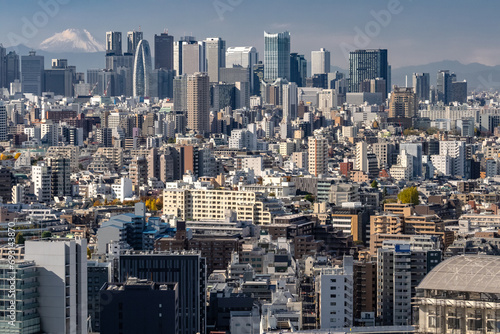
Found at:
<point>416,31</point>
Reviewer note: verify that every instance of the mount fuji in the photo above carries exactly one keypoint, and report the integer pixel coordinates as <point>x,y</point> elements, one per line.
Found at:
<point>72,40</point>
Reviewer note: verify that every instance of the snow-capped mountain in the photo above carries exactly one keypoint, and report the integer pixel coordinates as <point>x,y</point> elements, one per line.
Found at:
<point>72,40</point>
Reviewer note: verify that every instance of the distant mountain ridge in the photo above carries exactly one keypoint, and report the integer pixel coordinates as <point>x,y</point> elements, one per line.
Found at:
<point>478,76</point>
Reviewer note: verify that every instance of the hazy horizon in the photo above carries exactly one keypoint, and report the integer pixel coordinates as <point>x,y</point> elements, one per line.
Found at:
<point>406,28</point>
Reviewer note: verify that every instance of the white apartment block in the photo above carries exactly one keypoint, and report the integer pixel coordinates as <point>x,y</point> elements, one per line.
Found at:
<point>335,286</point>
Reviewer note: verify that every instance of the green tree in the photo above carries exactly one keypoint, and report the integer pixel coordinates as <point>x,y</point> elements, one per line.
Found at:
<point>375,184</point>
<point>309,198</point>
<point>89,253</point>
<point>20,239</point>
<point>384,192</point>
<point>409,195</point>
<point>46,234</point>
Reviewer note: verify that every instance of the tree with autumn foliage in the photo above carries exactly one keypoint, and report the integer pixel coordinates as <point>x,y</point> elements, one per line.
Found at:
<point>409,196</point>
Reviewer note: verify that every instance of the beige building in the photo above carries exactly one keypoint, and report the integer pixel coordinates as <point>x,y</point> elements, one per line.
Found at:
<point>403,103</point>
<point>318,154</point>
<point>71,152</point>
<point>198,102</point>
<point>113,154</point>
<point>203,204</point>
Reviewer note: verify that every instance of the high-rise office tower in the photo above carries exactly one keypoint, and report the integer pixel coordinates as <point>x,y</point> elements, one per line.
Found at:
<point>180,93</point>
<point>193,57</point>
<point>198,102</point>
<point>133,39</point>
<point>62,279</point>
<point>113,43</point>
<point>459,91</point>
<point>32,68</point>
<point>368,64</point>
<point>444,86</point>
<point>298,69</point>
<point>320,62</point>
<point>318,155</point>
<point>421,85</point>
<point>215,50</point>
<point>164,51</point>
<point>244,56</point>
<point>403,103</point>
<point>276,56</point>
<point>3,67</point>
<point>12,68</point>
<point>187,270</point>
<point>290,101</point>
<point>3,122</point>
<point>178,54</point>
<point>60,78</point>
<point>142,69</point>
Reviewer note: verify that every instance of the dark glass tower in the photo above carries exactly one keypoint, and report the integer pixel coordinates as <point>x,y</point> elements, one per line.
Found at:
<point>164,51</point>
<point>368,64</point>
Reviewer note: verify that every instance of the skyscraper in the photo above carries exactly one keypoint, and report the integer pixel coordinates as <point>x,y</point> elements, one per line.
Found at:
<point>32,73</point>
<point>244,56</point>
<point>421,85</point>
<point>3,67</point>
<point>164,51</point>
<point>215,49</point>
<point>192,55</point>
<point>298,69</point>
<point>142,69</point>
<point>133,39</point>
<point>276,56</point>
<point>368,64</point>
<point>113,43</point>
<point>320,62</point>
<point>444,87</point>
<point>198,102</point>
<point>12,68</point>
<point>459,91</point>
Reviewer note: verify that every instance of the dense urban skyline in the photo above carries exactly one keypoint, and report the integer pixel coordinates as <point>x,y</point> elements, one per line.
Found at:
<point>409,31</point>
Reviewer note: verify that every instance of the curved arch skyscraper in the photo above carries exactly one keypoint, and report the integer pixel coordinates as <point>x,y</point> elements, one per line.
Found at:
<point>142,69</point>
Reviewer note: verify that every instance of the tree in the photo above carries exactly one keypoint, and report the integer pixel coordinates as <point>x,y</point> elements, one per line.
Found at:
<point>97,203</point>
<point>89,253</point>
<point>171,140</point>
<point>409,195</point>
<point>375,184</point>
<point>159,203</point>
<point>46,234</point>
<point>384,192</point>
<point>309,198</point>
<point>20,239</point>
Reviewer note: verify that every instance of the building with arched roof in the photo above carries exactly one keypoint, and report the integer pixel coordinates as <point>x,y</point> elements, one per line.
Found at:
<point>461,295</point>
